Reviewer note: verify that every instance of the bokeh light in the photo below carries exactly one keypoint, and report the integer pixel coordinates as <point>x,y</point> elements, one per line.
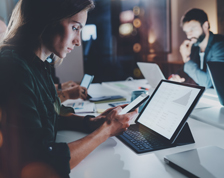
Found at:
<point>151,37</point>
<point>137,23</point>
<point>136,10</point>
<point>126,29</point>
<point>137,47</point>
<point>126,16</point>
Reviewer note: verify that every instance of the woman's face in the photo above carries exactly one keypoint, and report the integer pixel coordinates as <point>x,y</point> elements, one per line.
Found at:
<point>67,35</point>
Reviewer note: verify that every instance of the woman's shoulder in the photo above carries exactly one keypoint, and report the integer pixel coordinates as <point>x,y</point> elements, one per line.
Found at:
<point>11,59</point>
<point>12,65</point>
<point>10,53</point>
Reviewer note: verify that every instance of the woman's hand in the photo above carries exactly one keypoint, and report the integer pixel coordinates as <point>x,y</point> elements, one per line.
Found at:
<point>68,84</point>
<point>71,90</point>
<point>116,124</point>
<point>96,122</point>
<point>75,92</point>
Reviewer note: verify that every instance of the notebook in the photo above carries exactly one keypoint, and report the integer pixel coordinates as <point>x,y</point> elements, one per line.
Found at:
<point>106,99</point>
<point>206,162</point>
<point>151,72</point>
<point>163,118</point>
<point>216,70</point>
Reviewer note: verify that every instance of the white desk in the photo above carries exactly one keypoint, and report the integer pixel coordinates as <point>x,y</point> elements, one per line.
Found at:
<point>113,159</point>
<point>214,114</point>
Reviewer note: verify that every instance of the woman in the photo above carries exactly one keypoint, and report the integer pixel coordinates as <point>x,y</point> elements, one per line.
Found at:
<point>38,29</point>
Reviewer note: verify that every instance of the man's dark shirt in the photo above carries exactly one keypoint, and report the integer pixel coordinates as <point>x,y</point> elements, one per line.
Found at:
<point>213,52</point>
<point>31,104</point>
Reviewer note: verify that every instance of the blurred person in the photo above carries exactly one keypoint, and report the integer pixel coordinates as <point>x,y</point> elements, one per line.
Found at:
<point>31,170</point>
<point>200,47</point>
<point>38,29</point>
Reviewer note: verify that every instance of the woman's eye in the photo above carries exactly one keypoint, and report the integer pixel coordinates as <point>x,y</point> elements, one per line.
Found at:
<point>74,28</point>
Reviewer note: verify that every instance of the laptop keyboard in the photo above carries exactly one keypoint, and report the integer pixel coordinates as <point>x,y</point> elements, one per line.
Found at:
<point>142,140</point>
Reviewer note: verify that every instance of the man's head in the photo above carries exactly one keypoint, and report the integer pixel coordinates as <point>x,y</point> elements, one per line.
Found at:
<point>195,24</point>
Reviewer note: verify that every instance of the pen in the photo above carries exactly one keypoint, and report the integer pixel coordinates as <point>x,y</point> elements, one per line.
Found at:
<point>143,88</point>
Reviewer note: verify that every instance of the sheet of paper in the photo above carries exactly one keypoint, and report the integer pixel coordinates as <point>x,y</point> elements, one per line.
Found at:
<point>80,106</point>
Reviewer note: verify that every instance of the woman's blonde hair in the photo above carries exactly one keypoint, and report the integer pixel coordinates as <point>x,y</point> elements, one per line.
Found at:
<point>32,20</point>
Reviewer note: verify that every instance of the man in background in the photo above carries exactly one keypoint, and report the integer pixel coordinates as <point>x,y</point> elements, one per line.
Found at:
<point>200,47</point>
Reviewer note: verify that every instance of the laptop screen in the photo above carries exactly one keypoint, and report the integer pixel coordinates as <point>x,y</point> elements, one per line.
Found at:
<point>167,107</point>
<point>216,71</point>
<point>151,72</point>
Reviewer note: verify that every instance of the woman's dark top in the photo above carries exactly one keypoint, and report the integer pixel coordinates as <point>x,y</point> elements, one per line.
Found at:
<point>32,107</point>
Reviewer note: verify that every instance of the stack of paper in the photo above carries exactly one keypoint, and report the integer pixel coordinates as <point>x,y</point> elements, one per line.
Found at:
<point>80,106</point>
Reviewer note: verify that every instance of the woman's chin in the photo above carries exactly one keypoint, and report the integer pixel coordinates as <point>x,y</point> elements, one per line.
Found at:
<point>61,55</point>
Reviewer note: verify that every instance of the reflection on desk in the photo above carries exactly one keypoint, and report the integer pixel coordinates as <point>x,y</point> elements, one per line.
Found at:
<point>113,159</point>
<point>213,116</point>
<point>209,109</point>
<point>208,99</point>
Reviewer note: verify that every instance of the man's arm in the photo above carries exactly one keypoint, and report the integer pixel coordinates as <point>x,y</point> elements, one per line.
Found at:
<point>200,77</point>
<point>203,78</point>
<point>185,50</point>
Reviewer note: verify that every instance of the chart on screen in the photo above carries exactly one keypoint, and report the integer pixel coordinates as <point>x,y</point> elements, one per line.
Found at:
<point>168,106</point>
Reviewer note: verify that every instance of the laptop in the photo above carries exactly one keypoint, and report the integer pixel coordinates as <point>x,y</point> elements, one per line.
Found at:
<point>151,72</point>
<point>206,162</point>
<point>216,70</point>
<point>163,117</point>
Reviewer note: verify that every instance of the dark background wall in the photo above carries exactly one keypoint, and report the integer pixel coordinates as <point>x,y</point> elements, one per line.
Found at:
<point>112,56</point>
<point>220,8</point>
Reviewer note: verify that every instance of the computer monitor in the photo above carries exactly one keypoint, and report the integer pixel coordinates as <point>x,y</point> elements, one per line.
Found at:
<point>216,70</point>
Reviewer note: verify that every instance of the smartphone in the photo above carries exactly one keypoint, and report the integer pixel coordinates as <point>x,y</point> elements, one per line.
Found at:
<point>86,81</point>
<point>135,104</point>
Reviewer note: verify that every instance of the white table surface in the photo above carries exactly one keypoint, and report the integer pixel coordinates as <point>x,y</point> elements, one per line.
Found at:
<point>113,159</point>
<point>211,111</point>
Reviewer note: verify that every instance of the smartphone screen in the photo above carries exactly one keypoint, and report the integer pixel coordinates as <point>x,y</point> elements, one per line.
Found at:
<point>86,81</point>
<point>135,104</point>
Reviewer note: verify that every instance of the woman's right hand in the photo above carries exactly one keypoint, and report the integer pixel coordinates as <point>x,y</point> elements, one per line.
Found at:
<point>116,124</point>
